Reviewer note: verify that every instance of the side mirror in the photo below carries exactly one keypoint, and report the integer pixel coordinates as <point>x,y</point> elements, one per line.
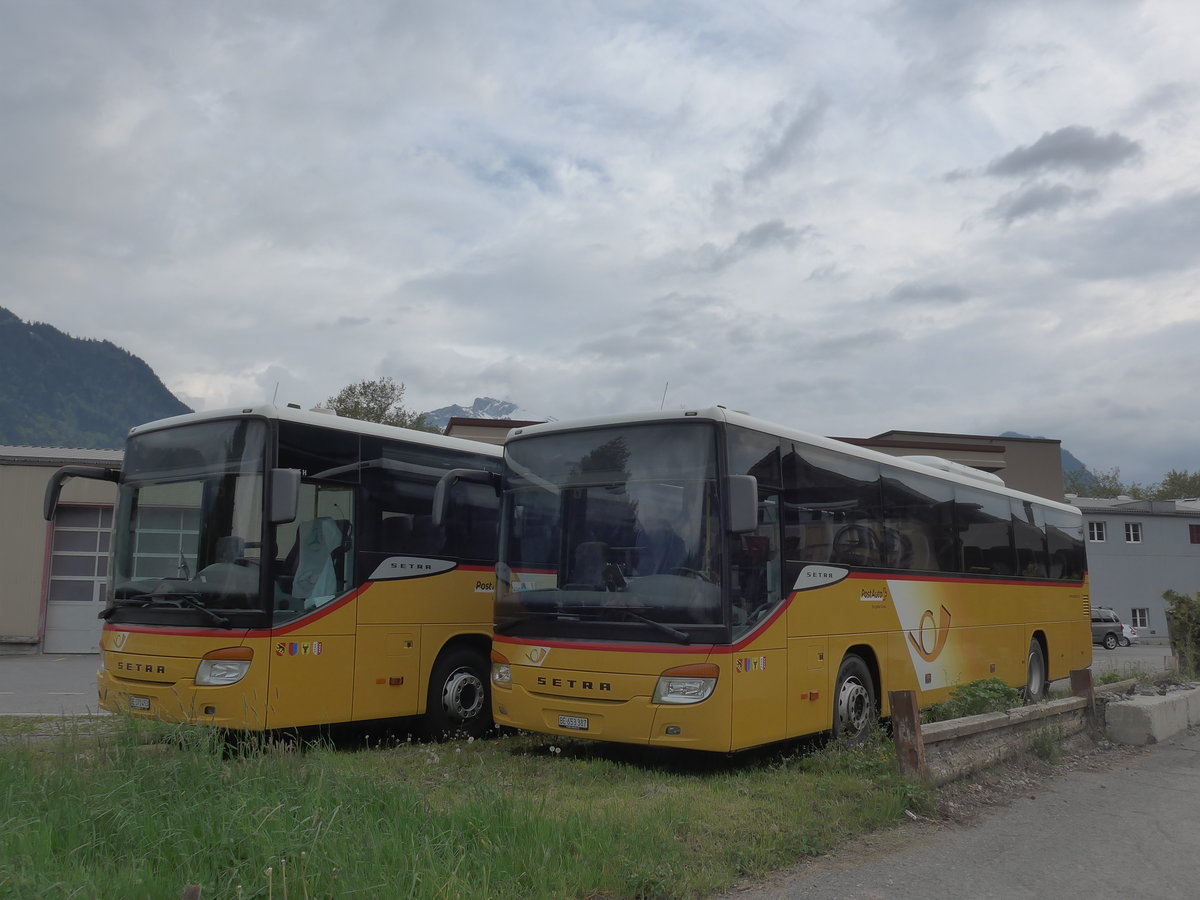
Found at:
<point>284,487</point>
<point>741,497</point>
<point>59,478</point>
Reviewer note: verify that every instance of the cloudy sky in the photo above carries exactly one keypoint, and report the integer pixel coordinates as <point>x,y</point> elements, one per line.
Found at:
<point>847,216</point>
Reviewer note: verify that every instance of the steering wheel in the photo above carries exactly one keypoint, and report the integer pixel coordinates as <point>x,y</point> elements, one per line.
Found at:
<point>856,545</point>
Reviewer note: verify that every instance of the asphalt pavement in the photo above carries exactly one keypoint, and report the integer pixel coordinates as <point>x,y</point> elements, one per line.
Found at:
<point>48,684</point>
<point>1125,827</point>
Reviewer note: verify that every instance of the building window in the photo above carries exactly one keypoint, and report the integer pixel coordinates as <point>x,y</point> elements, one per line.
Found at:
<point>1141,618</point>
<point>1194,534</point>
<point>1133,532</point>
<point>1095,531</point>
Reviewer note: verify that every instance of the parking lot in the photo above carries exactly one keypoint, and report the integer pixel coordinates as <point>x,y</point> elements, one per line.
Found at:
<point>1147,656</point>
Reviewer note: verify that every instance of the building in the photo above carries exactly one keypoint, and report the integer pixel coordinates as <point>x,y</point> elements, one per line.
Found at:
<point>54,575</point>
<point>1032,465</point>
<point>1136,550</point>
<point>490,431</point>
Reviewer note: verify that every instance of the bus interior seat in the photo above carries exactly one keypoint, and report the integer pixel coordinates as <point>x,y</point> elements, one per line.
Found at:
<point>230,548</point>
<point>587,573</point>
<point>320,551</point>
<point>660,549</point>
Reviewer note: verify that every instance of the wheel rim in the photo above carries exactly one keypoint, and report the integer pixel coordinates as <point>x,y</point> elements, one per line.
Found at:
<point>1110,641</point>
<point>854,706</point>
<point>462,695</point>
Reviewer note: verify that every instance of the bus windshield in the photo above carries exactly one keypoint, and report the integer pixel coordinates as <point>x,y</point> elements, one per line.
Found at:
<point>612,534</point>
<point>188,532</point>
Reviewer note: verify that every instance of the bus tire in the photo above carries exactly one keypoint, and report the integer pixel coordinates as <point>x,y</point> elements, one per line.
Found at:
<point>853,701</point>
<point>459,702</point>
<point>1035,673</point>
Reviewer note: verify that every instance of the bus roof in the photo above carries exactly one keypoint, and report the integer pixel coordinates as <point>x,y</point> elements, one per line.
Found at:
<point>721,414</point>
<point>324,419</point>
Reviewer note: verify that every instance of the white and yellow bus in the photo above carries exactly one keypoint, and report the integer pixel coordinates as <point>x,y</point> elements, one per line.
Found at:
<point>277,568</point>
<point>701,579</point>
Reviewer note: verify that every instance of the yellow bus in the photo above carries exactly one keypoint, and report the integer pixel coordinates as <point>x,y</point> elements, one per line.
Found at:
<point>278,568</point>
<point>701,579</point>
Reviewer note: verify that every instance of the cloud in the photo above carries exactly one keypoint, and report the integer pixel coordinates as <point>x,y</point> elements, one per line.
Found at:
<point>1138,241</point>
<point>762,237</point>
<point>1074,147</point>
<point>1039,199</point>
<point>795,136</point>
<point>928,292</point>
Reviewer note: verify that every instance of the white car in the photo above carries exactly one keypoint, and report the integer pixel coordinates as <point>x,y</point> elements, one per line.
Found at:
<point>1128,635</point>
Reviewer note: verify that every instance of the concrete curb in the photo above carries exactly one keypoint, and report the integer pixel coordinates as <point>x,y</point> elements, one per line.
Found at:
<point>960,747</point>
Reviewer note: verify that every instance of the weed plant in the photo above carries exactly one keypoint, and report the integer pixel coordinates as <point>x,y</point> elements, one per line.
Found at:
<point>1047,745</point>
<point>972,698</point>
<point>142,811</point>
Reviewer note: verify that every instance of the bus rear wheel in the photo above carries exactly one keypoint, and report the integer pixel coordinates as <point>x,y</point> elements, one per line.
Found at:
<point>1035,673</point>
<point>459,704</point>
<point>854,701</point>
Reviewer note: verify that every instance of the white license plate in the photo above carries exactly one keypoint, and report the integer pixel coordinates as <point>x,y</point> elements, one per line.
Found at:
<point>139,703</point>
<point>579,723</point>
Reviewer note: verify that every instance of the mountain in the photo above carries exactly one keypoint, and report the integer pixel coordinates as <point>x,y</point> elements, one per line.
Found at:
<point>61,391</point>
<point>482,408</point>
<point>1070,463</point>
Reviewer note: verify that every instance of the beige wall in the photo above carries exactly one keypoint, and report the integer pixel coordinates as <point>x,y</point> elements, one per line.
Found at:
<point>1032,465</point>
<point>24,536</point>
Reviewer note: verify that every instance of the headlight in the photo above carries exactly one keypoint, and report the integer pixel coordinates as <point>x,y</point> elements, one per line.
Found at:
<point>501,670</point>
<point>686,684</point>
<point>221,667</point>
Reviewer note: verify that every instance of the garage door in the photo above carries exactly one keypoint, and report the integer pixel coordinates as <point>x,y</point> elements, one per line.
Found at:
<point>78,571</point>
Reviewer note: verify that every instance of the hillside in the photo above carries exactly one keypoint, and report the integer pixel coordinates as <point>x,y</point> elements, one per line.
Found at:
<point>61,391</point>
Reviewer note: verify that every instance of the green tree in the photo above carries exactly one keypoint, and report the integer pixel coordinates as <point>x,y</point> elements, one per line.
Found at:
<point>377,400</point>
<point>1177,485</point>
<point>1107,485</point>
<point>1183,629</point>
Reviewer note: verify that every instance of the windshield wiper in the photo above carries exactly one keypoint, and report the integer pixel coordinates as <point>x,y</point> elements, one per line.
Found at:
<point>123,602</point>
<point>675,634</point>
<point>179,601</point>
<point>191,601</point>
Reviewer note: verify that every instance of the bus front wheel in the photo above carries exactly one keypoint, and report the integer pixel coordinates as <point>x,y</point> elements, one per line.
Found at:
<point>459,703</point>
<point>854,701</point>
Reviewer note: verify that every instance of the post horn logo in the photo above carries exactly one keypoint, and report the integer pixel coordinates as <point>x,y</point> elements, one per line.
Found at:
<point>535,655</point>
<point>119,639</point>
<point>930,636</point>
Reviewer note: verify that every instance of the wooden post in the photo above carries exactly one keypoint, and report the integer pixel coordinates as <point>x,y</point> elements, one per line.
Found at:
<point>1082,685</point>
<point>906,731</point>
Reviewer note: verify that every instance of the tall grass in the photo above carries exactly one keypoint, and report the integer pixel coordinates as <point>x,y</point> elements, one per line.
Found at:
<point>142,813</point>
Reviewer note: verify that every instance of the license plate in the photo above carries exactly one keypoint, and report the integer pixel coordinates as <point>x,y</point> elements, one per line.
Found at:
<point>578,723</point>
<point>139,703</point>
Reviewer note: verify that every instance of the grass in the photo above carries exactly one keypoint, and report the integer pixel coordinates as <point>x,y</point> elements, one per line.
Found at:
<point>140,811</point>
